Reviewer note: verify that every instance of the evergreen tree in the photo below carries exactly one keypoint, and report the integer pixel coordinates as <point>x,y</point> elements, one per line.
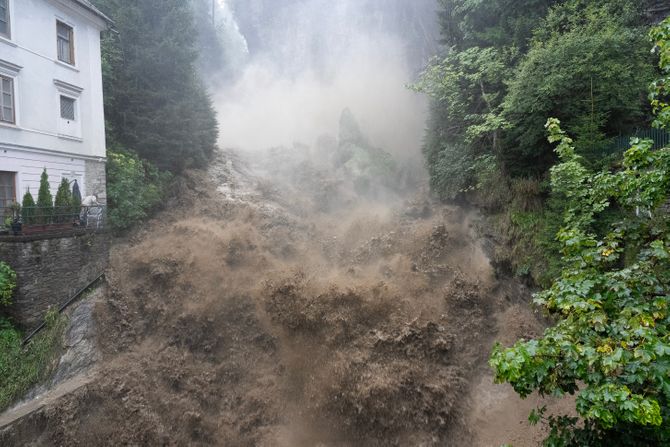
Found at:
<point>63,201</point>
<point>45,202</point>
<point>28,208</point>
<point>155,103</point>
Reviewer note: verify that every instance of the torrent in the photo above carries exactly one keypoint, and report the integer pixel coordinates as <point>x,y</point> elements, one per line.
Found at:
<point>278,301</point>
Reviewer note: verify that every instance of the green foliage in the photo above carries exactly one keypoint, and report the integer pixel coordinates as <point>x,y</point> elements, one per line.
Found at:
<point>63,202</point>
<point>135,187</point>
<point>44,200</point>
<point>7,284</point>
<point>154,101</point>
<point>660,90</point>
<point>63,195</point>
<point>590,72</point>
<point>23,367</point>
<point>28,208</point>
<point>497,23</point>
<point>610,341</point>
<point>510,65</point>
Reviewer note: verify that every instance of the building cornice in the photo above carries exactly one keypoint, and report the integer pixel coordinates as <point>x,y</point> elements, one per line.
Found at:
<point>16,147</point>
<point>67,88</point>
<point>76,7</point>
<point>9,69</point>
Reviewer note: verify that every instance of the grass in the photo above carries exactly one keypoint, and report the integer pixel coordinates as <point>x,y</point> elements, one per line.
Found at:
<point>23,367</point>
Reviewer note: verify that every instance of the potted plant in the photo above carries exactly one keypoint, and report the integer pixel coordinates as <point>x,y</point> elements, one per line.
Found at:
<point>16,225</point>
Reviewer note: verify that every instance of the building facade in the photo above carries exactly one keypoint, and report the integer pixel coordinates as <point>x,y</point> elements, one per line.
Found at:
<point>51,101</point>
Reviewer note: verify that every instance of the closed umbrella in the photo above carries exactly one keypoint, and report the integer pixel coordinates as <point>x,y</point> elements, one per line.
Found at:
<point>76,202</point>
<point>76,193</point>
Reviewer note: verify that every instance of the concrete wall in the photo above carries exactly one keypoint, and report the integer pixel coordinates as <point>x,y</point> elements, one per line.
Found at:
<point>49,271</point>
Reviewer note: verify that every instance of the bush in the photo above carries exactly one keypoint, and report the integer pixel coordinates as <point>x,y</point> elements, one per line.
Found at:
<point>63,203</point>
<point>610,341</point>
<point>7,284</point>
<point>28,209</point>
<point>23,367</point>
<point>134,188</point>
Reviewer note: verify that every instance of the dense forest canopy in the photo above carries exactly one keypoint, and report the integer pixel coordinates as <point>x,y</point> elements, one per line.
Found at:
<point>508,67</point>
<point>155,101</point>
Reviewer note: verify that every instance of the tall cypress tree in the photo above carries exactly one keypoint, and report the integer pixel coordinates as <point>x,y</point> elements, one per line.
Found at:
<point>45,202</point>
<point>155,103</point>
<point>63,201</point>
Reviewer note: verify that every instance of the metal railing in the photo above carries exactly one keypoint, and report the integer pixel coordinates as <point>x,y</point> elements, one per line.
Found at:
<point>48,220</point>
<point>620,144</point>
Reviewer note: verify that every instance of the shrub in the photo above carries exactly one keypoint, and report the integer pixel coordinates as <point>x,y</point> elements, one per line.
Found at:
<point>23,367</point>
<point>63,202</point>
<point>44,200</point>
<point>134,188</point>
<point>610,340</point>
<point>28,213</point>
<point>7,284</point>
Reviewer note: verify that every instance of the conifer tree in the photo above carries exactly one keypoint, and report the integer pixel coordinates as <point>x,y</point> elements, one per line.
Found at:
<point>63,200</point>
<point>155,103</point>
<point>44,200</point>
<point>28,208</point>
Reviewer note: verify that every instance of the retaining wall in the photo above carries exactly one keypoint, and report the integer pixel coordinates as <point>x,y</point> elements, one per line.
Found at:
<point>50,269</point>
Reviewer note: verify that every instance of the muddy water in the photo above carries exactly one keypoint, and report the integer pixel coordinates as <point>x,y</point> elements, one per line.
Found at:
<point>269,305</point>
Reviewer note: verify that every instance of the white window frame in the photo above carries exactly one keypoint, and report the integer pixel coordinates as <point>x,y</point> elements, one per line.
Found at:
<point>10,70</point>
<point>73,47</point>
<point>73,92</point>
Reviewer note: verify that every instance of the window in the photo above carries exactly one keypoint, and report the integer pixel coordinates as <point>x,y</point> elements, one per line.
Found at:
<point>4,18</point>
<point>65,38</point>
<point>7,100</point>
<point>67,108</point>
<point>7,190</point>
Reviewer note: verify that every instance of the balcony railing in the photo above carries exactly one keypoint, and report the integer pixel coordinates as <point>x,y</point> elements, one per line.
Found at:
<point>41,220</point>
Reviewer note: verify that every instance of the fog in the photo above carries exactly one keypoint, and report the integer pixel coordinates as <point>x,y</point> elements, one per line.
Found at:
<point>300,63</point>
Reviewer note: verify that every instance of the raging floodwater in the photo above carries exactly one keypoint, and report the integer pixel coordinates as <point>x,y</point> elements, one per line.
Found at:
<point>288,310</point>
<point>311,294</point>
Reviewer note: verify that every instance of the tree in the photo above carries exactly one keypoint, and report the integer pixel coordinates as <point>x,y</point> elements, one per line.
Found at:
<point>63,202</point>
<point>493,23</point>
<point>135,187</point>
<point>28,208</point>
<point>155,103</point>
<point>45,204</point>
<point>611,339</point>
<point>589,66</point>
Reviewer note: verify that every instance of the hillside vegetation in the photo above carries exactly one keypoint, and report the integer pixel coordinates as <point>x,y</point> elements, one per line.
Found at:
<point>581,213</point>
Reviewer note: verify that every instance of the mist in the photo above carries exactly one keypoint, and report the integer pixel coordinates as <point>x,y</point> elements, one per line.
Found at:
<point>308,60</point>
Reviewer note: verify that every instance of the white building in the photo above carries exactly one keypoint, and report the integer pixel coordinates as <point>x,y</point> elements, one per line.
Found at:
<point>51,104</point>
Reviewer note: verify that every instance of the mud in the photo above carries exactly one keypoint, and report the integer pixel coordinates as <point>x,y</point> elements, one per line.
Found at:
<point>286,310</point>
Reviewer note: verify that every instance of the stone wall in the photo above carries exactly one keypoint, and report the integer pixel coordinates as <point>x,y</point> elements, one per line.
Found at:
<point>95,180</point>
<point>51,269</point>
